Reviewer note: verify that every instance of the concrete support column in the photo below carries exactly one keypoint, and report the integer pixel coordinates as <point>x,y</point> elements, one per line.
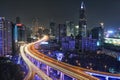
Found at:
<point>61,76</point>
<point>47,70</point>
<point>19,59</point>
<point>73,79</point>
<point>106,77</point>
<point>38,64</point>
<point>32,60</point>
<point>58,72</point>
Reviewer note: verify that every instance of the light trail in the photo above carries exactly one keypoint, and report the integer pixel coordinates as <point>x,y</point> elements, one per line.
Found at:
<point>32,68</point>
<point>63,67</point>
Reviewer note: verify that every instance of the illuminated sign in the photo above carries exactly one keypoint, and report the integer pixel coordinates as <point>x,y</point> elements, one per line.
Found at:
<point>19,24</point>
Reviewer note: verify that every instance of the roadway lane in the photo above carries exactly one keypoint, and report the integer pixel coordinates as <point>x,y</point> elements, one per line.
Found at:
<point>32,68</point>
<point>63,67</point>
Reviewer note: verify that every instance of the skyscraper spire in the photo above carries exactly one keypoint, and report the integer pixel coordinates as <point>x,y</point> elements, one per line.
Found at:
<point>82,21</point>
<point>82,5</point>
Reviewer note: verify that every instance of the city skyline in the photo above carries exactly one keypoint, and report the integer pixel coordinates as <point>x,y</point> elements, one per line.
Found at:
<point>59,40</point>
<point>61,11</point>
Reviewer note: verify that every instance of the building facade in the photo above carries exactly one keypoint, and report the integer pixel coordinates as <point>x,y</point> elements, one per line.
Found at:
<point>6,37</point>
<point>61,32</point>
<point>52,28</point>
<point>98,34</point>
<point>82,21</point>
<point>70,28</point>
<point>19,33</point>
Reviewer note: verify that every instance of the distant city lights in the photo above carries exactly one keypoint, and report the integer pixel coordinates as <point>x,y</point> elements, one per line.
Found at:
<point>113,41</point>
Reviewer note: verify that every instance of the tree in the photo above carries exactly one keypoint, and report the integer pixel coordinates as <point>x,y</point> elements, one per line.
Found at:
<point>9,70</point>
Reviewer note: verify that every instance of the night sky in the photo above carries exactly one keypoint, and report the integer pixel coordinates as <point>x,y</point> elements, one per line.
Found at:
<point>107,11</point>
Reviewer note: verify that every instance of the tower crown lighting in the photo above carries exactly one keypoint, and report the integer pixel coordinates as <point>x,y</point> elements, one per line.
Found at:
<point>82,5</point>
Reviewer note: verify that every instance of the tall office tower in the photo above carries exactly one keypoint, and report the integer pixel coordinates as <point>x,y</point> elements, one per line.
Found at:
<point>98,34</point>
<point>82,21</point>
<point>61,31</point>
<point>70,28</point>
<point>5,37</point>
<point>35,26</point>
<point>52,28</point>
<point>19,31</point>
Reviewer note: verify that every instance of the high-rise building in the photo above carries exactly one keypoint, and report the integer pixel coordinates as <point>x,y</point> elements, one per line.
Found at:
<point>35,27</point>
<point>61,31</point>
<point>82,21</point>
<point>82,33</point>
<point>70,28</point>
<point>52,28</point>
<point>98,34</point>
<point>19,31</point>
<point>5,36</point>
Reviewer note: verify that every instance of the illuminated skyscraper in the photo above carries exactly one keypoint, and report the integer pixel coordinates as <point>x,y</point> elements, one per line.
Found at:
<point>5,37</point>
<point>19,31</point>
<point>20,34</point>
<point>70,28</point>
<point>82,21</point>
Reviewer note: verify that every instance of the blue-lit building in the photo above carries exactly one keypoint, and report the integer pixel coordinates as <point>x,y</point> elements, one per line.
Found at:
<point>19,33</point>
<point>6,37</point>
<point>67,43</point>
<point>61,32</point>
<point>95,41</point>
<point>98,34</point>
<point>89,44</point>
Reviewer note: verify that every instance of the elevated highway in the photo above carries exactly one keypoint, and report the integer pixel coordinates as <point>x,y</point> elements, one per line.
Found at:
<point>31,55</point>
<point>60,66</point>
<point>33,70</point>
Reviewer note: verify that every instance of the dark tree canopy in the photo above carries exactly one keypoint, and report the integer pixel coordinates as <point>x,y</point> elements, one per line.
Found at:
<point>9,70</point>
